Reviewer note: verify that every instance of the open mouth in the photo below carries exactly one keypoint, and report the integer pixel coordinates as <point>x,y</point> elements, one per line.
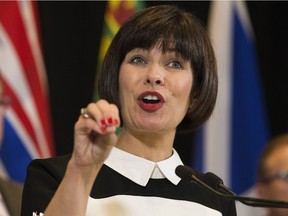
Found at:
<point>151,101</point>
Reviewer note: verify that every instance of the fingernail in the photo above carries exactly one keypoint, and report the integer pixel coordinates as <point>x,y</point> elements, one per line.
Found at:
<point>110,121</point>
<point>116,122</point>
<point>103,123</point>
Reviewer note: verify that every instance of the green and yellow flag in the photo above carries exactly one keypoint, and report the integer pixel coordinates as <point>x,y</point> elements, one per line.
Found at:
<point>117,12</point>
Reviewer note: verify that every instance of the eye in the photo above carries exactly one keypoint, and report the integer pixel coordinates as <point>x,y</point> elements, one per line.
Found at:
<point>137,60</point>
<point>175,64</point>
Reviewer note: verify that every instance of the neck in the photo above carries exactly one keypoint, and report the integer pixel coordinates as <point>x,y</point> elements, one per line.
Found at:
<point>151,146</point>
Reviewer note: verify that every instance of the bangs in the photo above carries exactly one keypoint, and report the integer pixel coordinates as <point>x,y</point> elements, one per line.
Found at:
<point>164,43</point>
<point>173,36</point>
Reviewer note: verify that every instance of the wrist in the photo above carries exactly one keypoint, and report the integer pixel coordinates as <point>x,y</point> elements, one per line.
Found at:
<point>80,174</point>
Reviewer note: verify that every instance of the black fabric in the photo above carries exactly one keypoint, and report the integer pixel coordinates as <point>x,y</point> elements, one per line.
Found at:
<point>45,175</point>
<point>42,180</point>
<point>109,183</point>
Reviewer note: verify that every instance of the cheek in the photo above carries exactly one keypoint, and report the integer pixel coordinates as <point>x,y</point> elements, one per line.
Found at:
<point>127,77</point>
<point>128,82</point>
<point>123,81</point>
<point>182,86</point>
<point>278,190</point>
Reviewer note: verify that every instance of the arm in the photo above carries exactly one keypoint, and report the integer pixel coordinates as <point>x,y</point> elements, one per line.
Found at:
<point>94,138</point>
<point>73,192</point>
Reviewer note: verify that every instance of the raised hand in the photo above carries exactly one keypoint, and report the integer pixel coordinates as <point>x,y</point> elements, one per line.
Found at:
<point>94,134</point>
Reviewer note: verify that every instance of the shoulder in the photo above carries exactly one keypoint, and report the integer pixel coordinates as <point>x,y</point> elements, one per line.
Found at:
<point>11,192</point>
<point>55,166</point>
<point>5,183</point>
<point>42,180</point>
<point>10,187</point>
<point>52,161</point>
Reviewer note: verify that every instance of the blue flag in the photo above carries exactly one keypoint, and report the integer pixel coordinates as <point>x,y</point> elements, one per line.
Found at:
<point>229,144</point>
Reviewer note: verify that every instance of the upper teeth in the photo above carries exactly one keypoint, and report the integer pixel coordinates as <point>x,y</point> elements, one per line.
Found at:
<point>151,97</point>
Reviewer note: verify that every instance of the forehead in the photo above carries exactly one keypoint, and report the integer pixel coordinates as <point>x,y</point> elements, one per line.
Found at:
<point>278,159</point>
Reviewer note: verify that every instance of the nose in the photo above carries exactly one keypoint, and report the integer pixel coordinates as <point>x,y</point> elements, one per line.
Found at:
<point>154,81</point>
<point>155,77</point>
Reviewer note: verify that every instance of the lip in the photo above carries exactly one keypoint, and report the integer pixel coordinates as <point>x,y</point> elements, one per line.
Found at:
<point>150,107</point>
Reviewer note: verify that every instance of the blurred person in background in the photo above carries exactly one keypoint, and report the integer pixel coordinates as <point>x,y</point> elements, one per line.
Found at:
<point>10,191</point>
<point>272,174</point>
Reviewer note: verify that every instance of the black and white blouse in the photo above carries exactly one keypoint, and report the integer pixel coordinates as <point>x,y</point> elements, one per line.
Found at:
<point>127,185</point>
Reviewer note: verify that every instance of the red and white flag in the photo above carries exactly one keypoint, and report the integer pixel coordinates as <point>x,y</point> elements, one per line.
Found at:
<point>26,119</point>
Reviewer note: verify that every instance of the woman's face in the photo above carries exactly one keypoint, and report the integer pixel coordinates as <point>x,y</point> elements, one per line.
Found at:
<point>277,189</point>
<point>154,89</point>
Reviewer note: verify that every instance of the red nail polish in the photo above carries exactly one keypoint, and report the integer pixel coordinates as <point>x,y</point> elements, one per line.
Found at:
<point>116,122</point>
<point>110,121</point>
<point>103,123</point>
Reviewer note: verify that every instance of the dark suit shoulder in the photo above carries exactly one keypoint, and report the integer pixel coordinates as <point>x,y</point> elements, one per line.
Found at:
<point>55,166</point>
<point>42,180</point>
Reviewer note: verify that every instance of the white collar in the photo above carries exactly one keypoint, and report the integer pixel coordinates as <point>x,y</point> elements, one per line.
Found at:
<point>140,170</point>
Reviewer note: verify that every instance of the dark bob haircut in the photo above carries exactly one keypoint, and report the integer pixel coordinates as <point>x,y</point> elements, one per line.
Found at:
<point>166,24</point>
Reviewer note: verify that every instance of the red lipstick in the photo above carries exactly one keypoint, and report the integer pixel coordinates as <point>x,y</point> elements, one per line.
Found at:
<point>150,101</point>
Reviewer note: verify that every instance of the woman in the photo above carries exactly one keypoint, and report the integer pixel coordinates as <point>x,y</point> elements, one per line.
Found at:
<point>158,76</point>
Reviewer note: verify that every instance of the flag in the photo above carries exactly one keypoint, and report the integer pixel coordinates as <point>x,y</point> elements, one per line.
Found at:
<point>117,12</point>
<point>26,121</point>
<point>235,134</point>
